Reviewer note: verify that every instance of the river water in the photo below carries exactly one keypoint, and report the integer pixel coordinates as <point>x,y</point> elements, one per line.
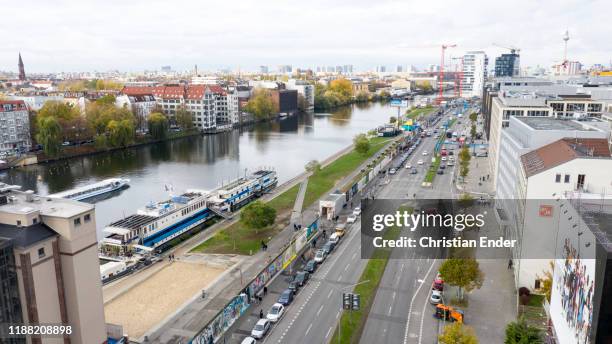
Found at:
<point>203,162</point>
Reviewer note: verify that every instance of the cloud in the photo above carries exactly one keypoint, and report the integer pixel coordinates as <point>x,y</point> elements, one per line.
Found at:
<point>137,35</point>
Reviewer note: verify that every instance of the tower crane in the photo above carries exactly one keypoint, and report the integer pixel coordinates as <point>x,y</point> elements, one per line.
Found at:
<point>513,50</point>
<point>441,73</point>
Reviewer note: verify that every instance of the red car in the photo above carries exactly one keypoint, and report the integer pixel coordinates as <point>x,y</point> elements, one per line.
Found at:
<point>438,284</point>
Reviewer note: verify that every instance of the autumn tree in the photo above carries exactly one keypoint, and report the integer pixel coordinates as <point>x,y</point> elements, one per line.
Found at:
<point>463,273</point>
<point>120,133</point>
<point>49,135</point>
<point>183,118</point>
<point>343,87</point>
<point>67,116</point>
<point>261,104</point>
<point>457,333</point>
<point>158,125</point>
<point>362,144</point>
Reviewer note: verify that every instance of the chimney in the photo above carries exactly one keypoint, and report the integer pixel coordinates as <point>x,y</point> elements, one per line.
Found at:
<point>29,196</point>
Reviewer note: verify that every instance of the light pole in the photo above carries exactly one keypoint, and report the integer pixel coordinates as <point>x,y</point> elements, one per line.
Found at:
<point>342,305</point>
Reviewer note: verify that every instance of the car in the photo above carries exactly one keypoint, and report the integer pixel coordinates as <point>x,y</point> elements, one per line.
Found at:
<point>334,238</point>
<point>261,328</point>
<point>286,297</point>
<point>436,297</point>
<point>450,158</point>
<point>320,256</point>
<point>294,287</point>
<point>340,229</point>
<point>249,340</point>
<point>408,166</point>
<point>438,284</point>
<point>451,153</point>
<point>413,171</point>
<point>276,312</point>
<point>443,158</point>
<point>351,218</point>
<point>311,266</point>
<point>442,166</point>
<point>440,171</point>
<point>424,153</point>
<point>301,278</point>
<point>392,171</point>
<point>357,211</point>
<point>450,163</point>
<point>328,248</point>
<point>420,162</point>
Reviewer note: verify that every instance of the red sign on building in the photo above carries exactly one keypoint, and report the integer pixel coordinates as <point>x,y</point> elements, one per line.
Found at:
<point>546,210</point>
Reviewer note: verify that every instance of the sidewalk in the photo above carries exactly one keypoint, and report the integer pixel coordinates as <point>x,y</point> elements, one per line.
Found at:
<point>192,317</point>
<point>479,168</point>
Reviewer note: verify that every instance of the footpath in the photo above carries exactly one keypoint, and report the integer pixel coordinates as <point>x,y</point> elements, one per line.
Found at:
<point>185,323</point>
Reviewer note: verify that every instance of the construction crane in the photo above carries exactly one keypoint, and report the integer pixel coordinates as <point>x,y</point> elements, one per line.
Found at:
<point>441,73</point>
<point>513,50</point>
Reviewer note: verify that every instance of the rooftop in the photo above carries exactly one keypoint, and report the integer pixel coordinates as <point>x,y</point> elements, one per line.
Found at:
<point>25,236</point>
<point>549,123</point>
<point>562,151</point>
<point>19,202</point>
<point>522,100</point>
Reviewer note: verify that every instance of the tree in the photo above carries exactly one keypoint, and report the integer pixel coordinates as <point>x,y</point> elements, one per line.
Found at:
<point>108,99</point>
<point>384,95</point>
<point>547,280</point>
<point>313,166</point>
<point>473,132</point>
<point>301,103</point>
<point>261,104</point>
<point>426,86</point>
<point>100,141</point>
<point>158,126</point>
<point>362,97</point>
<point>463,273</point>
<point>120,133</point>
<point>361,143</point>
<point>257,215</point>
<point>457,333</point>
<point>184,118</point>
<point>343,87</point>
<point>100,113</point>
<point>49,135</point>
<point>519,332</point>
<point>392,119</point>
<point>473,117</point>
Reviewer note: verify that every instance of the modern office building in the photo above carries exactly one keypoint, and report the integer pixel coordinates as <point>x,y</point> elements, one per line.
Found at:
<point>475,64</point>
<point>507,65</point>
<point>48,248</point>
<point>304,89</point>
<point>285,101</point>
<point>14,126</point>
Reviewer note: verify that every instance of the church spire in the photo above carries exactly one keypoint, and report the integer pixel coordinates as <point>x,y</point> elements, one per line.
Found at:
<point>22,75</point>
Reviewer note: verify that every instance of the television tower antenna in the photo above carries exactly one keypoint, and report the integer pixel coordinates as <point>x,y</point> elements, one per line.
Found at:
<point>565,39</point>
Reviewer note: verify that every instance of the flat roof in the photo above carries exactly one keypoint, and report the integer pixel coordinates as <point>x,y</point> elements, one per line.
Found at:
<point>48,206</point>
<point>548,123</point>
<point>26,236</point>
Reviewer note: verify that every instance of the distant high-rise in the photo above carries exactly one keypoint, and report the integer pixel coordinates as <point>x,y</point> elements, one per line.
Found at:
<point>507,65</point>
<point>474,73</point>
<point>263,70</point>
<point>22,75</point>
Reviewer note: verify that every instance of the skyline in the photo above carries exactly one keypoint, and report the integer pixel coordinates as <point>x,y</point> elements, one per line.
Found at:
<point>141,35</point>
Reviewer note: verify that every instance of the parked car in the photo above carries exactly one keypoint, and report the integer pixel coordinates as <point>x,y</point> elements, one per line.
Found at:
<point>249,340</point>
<point>320,256</point>
<point>286,297</point>
<point>440,171</point>
<point>392,171</point>
<point>443,158</point>
<point>261,328</point>
<point>408,166</point>
<point>301,278</point>
<point>311,266</point>
<point>357,211</point>
<point>294,287</point>
<point>351,218</point>
<point>334,238</point>
<point>420,162</point>
<point>436,297</point>
<point>413,171</point>
<point>328,247</point>
<point>276,312</point>
<point>424,153</point>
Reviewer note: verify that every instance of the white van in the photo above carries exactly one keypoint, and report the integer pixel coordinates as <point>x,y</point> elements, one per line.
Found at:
<point>334,238</point>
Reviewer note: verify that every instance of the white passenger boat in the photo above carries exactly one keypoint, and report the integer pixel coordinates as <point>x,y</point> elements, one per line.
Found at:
<point>95,189</point>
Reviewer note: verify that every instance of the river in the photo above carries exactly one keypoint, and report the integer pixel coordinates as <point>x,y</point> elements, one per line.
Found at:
<point>203,162</point>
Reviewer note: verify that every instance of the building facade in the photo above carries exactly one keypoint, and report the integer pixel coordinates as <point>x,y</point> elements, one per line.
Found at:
<point>507,65</point>
<point>304,89</point>
<point>475,64</point>
<point>14,127</point>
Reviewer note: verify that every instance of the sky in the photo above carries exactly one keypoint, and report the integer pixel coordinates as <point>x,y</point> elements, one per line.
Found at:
<point>136,35</point>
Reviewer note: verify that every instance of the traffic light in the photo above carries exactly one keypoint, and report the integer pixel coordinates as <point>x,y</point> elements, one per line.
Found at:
<point>347,300</point>
<point>356,302</point>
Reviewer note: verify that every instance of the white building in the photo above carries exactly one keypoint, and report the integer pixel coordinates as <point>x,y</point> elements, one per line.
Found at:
<point>566,165</point>
<point>140,104</point>
<point>305,89</point>
<point>14,127</point>
<point>36,101</point>
<point>566,68</point>
<point>475,65</point>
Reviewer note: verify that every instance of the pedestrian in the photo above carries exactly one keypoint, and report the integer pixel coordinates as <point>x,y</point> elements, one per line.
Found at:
<point>510,264</point>
<point>487,177</point>
<point>324,233</point>
<point>261,314</point>
<point>265,290</point>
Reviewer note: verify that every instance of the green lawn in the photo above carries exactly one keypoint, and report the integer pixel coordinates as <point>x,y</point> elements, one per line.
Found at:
<point>237,239</point>
<point>325,179</point>
<point>433,169</point>
<point>416,113</point>
<point>352,322</point>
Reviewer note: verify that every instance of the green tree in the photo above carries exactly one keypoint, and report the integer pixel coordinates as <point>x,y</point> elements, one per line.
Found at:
<point>261,104</point>
<point>313,166</point>
<point>100,113</point>
<point>100,141</point>
<point>108,99</point>
<point>301,103</point>
<point>362,97</point>
<point>158,125</point>
<point>473,117</point>
<point>384,95</point>
<point>184,118</point>
<point>392,119</point>
<point>426,86</point>
<point>120,133</point>
<point>257,215</point>
<point>519,332</point>
<point>457,333</point>
<point>361,143</point>
<point>59,110</point>
<point>473,132</point>
<point>463,273</point>
<point>49,135</point>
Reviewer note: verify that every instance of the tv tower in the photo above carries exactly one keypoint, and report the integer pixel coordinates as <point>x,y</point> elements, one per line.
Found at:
<point>565,39</point>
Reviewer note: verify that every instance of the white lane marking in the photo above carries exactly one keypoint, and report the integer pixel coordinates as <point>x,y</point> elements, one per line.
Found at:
<point>320,309</point>
<point>331,291</point>
<point>327,334</point>
<point>337,314</point>
<point>412,302</point>
<point>347,266</point>
<point>308,329</point>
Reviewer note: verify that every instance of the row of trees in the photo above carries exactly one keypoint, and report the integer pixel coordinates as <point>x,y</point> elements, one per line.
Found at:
<point>464,161</point>
<point>89,85</point>
<point>517,332</point>
<point>107,125</point>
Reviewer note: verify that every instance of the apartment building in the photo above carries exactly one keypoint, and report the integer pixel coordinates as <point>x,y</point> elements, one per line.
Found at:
<point>475,64</point>
<point>14,127</point>
<point>49,251</point>
<point>305,89</point>
<point>141,104</point>
<point>569,165</point>
<point>575,106</point>
<point>35,101</point>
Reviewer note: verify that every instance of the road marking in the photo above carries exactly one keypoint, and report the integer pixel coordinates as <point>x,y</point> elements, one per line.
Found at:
<point>347,266</point>
<point>328,331</point>
<point>331,291</point>
<point>308,329</point>
<point>337,314</point>
<point>354,255</point>
<point>412,302</point>
<point>340,278</point>
<point>320,309</point>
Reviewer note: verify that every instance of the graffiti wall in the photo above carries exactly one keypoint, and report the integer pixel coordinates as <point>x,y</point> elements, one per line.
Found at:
<point>216,328</point>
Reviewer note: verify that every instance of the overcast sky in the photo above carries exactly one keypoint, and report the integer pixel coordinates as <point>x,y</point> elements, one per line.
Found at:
<point>134,35</point>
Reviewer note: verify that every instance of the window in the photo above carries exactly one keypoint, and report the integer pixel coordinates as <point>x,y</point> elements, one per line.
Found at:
<point>567,178</point>
<point>35,220</point>
<point>18,222</point>
<point>558,178</point>
<point>87,217</point>
<point>77,221</point>
<point>41,252</point>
